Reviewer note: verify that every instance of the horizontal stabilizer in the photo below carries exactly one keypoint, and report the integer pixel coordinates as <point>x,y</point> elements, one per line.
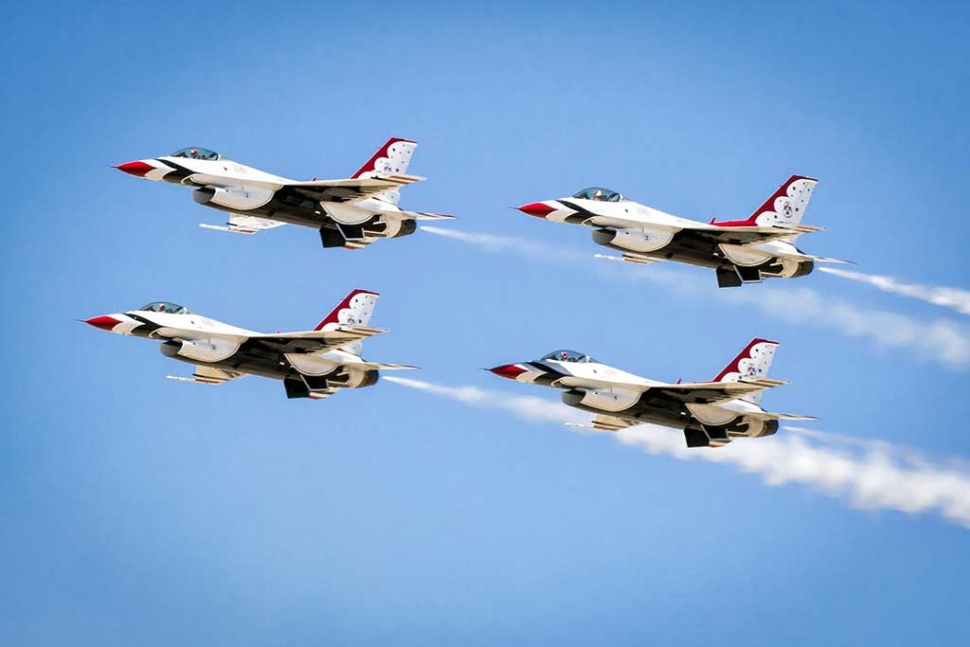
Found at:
<point>386,367</point>
<point>769,415</point>
<point>825,259</point>
<point>418,215</point>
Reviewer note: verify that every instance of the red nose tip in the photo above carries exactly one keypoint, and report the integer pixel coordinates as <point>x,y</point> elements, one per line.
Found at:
<point>510,371</point>
<point>138,168</point>
<point>537,209</point>
<point>104,322</point>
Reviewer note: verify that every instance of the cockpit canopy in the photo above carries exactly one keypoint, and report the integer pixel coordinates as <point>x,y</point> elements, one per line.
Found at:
<point>165,306</point>
<point>600,194</point>
<point>196,153</point>
<point>569,356</point>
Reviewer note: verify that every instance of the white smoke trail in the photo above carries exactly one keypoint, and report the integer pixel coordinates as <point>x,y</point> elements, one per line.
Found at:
<point>525,407</point>
<point>939,340</point>
<point>870,475</point>
<point>493,243</point>
<point>954,298</point>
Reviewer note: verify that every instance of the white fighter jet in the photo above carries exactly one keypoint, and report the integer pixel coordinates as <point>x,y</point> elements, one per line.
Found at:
<point>711,414</point>
<point>741,251</point>
<point>349,213</point>
<point>313,364</point>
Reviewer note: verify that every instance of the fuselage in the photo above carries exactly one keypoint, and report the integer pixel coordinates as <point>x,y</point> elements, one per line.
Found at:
<point>196,339</point>
<point>229,186</point>
<point>598,388</point>
<point>629,226</point>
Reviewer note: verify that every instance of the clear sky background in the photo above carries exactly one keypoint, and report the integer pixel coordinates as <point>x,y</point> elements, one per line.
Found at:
<point>143,511</point>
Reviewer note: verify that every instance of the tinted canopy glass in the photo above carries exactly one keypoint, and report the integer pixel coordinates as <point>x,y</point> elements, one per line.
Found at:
<point>165,306</point>
<point>600,194</point>
<point>568,356</point>
<point>197,154</point>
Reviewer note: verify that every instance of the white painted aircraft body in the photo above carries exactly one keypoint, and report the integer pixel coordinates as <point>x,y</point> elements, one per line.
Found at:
<point>711,414</point>
<point>740,251</point>
<point>350,213</point>
<point>312,364</point>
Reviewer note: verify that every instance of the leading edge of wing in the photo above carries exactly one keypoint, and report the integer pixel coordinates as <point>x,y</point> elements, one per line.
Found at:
<point>389,180</point>
<point>718,391</point>
<point>345,334</point>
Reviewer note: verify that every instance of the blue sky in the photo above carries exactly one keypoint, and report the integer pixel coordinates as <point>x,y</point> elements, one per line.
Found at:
<point>142,510</point>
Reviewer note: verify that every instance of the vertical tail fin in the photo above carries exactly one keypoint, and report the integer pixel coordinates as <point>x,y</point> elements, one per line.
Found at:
<point>355,310</point>
<point>393,157</point>
<point>752,362</point>
<point>786,206</point>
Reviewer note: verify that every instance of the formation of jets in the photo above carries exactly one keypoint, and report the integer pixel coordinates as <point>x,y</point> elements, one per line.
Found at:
<point>356,211</point>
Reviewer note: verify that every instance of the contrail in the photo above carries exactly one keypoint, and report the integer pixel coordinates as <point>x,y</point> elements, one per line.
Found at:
<point>953,298</point>
<point>940,340</point>
<point>525,407</point>
<point>493,243</point>
<point>870,475</point>
<point>943,341</point>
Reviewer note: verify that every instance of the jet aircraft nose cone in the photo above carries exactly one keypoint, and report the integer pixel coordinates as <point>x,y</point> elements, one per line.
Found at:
<point>508,371</point>
<point>537,209</point>
<point>136,168</point>
<point>103,322</point>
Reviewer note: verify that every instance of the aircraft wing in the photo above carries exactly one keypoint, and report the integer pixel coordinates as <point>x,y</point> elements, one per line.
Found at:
<point>241,224</point>
<point>714,392</point>
<point>311,341</point>
<point>353,190</point>
<point>208,375</point>
<point>739,235</point>
<point>314,341</point>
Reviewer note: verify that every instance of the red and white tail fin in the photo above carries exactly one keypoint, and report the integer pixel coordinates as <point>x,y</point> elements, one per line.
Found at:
<point>786,206</point>
<point>752,362</point>
<point>355,310</point>
<point>392,158</point>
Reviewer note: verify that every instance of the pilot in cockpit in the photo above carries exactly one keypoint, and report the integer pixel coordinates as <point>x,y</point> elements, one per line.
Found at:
<point>564,356</point>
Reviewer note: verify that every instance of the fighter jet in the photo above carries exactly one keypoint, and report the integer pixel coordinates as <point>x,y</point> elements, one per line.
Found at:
<point>349,213</point>
<point>740,251</point>
<point>313,364</point>
<point>711,414</point>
